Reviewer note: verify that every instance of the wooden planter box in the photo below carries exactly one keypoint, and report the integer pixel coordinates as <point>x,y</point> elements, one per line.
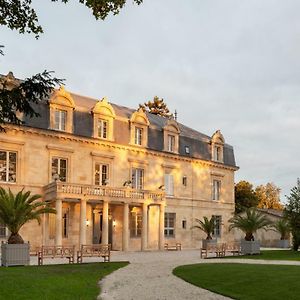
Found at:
<point>250,247</point>
<point>283,244</point>
<point>15,254</point>
<point>206,242</point>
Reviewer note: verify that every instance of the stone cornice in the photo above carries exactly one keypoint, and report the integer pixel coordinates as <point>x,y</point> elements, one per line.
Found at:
<point>86,140</point>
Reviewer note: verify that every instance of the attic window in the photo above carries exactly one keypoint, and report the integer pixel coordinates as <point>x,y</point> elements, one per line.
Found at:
<point>187,149</point>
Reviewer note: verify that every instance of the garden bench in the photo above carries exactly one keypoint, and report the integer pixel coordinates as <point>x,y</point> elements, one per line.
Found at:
<point>94,250</point>
<point>219,249</point>
<point>234,248</point>
<point>176,246</point>
<point>56,252</point>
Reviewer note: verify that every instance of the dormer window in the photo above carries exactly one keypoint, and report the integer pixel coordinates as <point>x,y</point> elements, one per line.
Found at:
<point>60,120</point>
<point>217,145</point>
<point>102,128</point>
<point>217,153</point>
<point>171,143</point>
<point>138,135</point>
<point>171,136</point>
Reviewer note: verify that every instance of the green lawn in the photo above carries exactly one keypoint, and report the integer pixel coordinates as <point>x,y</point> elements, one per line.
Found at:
<point>245,281</point>
<point>77,281</point>
<point>273,255</point>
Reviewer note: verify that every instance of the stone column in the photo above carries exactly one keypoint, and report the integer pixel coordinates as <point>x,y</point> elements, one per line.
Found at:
<point>144,242</point>
<point>162,226</point>
<point>58,222</point>
<point>105,223</point>
<point>82,228</point>
<point>125,238</point>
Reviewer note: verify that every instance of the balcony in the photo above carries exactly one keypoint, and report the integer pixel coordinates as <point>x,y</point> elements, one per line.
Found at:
<point>63,190</point>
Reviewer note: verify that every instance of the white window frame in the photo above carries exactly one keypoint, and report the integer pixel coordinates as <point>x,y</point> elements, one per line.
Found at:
<point>218,226</point>
<point>59,167</point>
<point>102,127</point>
<point>135,224</point>
<point>216,189</point>
<point>138,135</point>
<point>137,178</point>
<point>169,184</point>
<point>171,143</point>
<point>167,227</point>
<point>60,119</point>
<point>7,166</point>
<point>103,176</point>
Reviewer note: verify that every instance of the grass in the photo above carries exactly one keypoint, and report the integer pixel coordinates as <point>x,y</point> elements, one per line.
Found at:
<point>244,281</point>
<point>273,255</point>
<point>75,281</point>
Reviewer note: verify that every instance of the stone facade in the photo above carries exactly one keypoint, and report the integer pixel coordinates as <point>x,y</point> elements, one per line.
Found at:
<point>158,175</point>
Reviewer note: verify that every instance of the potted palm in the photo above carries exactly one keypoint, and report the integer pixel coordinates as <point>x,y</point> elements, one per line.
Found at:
<point>15,211</point>
<point>207,226</point>
<point>249,222</point>
<point>283,227</point>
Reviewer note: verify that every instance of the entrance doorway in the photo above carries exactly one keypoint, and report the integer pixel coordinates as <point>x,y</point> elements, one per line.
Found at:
<point>97,227</point>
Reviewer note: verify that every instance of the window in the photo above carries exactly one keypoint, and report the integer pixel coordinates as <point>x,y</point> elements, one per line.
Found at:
<point>65,223</point>
<point>218,223</point>
<point>135,222</point>
<point>138,132</point>
<point>217,153</point>
<point>8,166</point>
<point>169,184</point>
<point>187,149</point>
<point>183,224</point>
<point>59,167</point>
<point>216,189</point>
<point>137,178</point>
<point>184,180</point>
<point>170,224</point>
<point>171,143</point>
<point>101,174</point>
<point>60,120</point>
<point>102,128</point>
<point>2,231</point>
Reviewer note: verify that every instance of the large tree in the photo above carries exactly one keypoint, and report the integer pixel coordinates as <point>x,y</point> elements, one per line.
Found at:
<point>268,196</point>
<point>292,213</point>
<point>245,196</point>
<point>157,106</point>
<point>17,98</point>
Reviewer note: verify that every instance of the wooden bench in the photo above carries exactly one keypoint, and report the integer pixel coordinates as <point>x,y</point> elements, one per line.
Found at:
<point>174,247</point>
<point>219,249</point>
<point>234,248</point>
<point>56,252</point>
<point>94,250</point>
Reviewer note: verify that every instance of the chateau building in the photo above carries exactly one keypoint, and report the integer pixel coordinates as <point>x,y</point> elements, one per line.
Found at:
<point>117,175</point>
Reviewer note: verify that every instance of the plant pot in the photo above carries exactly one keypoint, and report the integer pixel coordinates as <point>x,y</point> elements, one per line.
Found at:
<point>250,247</point>
<point>283,244</point>
<point>206,242</point>
<point>15,254</point>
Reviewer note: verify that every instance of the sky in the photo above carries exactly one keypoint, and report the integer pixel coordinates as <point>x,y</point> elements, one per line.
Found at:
<point>232,65</point>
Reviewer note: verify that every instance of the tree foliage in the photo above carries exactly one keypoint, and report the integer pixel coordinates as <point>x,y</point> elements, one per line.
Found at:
<point>207,226</point>
<point>292,213</point>
<point>245,196</point>
<point>157,107</point>
<point>283,227</point>
<point>16,210</point>
<point>268,196</point>
<point>249,222</point>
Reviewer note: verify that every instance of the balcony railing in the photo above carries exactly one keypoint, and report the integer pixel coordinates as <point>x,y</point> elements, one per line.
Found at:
<point>76,190</point>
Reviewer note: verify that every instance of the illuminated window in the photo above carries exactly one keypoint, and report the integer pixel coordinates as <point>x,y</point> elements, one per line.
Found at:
<point>170,219</point>
<point>101,174</point>
<point>59,168</point>
<point>60,117</point>
<point>217,228</point>
<point>216,189</point>
<point>171,143</point>
<point>102,128</point>
<point>169,184</point>
<point>137,178</point>
<point>135,223</point>
<point>8,166</point>
<point>138,134</point>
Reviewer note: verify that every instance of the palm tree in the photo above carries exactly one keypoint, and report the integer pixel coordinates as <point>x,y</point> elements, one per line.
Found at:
<point>249,222</point>
<point>206,226</point>
<point>283,227</point>
<point>16,210</point>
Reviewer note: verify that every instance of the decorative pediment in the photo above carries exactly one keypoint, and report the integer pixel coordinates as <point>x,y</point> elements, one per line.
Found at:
<point>102,107</point>
<point>218,138</point>
<point>140,117</point>
<point>172,126</point>
<point>62,97</point>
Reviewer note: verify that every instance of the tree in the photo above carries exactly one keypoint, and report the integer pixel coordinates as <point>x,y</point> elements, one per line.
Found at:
<point>249,222</point>
<point>207,226</point>
<point>268,196</point>
<point>21,16</point>
<point>292,213</point>
<point>245,196</point>
<point>16,210</point>
<point>156,107</point>
<point>283,227</point>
